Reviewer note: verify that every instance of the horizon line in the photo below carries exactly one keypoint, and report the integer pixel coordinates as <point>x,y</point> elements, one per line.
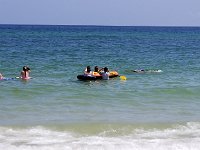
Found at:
<point>98,25</point>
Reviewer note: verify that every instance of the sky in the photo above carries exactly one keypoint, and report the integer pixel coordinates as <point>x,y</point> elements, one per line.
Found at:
<point>101,12</point>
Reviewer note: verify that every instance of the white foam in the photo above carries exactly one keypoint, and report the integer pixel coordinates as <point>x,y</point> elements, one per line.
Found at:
<point>185,137</point>
<point>159,71</point>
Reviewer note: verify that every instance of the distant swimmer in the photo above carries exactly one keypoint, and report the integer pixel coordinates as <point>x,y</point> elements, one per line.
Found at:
<point>4,78</point>
<point>25,73</point>
<point>1,77</point>
<point>147,71</point>
<point>139,71</point>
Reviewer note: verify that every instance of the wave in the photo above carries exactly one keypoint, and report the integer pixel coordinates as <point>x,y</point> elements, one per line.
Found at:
<point>184,137</point>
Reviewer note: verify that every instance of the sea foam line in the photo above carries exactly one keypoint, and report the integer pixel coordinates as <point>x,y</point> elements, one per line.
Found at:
<point>184,137</point>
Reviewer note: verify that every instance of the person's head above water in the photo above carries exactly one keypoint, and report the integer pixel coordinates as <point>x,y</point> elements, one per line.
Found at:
<point>25,68</point>
<point>1,76</point>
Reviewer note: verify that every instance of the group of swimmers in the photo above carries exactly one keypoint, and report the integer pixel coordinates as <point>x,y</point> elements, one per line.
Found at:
<point>25,74</point>
<point>104,72</point>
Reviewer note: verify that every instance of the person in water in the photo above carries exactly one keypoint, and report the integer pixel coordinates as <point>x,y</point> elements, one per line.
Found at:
<point>25,73</point>
<point>1,77</point>
<point>139,71</point>
<point>147,71</point>
<point>88,71</point>
<point>105,74</point>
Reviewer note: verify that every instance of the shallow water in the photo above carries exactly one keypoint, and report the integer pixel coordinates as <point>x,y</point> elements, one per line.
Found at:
<point>54,110</point>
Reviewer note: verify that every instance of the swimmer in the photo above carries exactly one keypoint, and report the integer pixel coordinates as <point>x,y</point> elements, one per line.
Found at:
<point>25,73</point>
<point>1,77</point>
<point>147,71</point>
<point>139,71</point>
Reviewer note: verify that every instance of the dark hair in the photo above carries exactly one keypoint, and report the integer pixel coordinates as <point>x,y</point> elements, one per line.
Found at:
<point>105,69</point>
<point>88,69</point>
<point>96,69</point>
<point>25,68</point>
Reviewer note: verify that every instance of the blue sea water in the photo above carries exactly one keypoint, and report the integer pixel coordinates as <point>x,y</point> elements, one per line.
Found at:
<point>54,110</point>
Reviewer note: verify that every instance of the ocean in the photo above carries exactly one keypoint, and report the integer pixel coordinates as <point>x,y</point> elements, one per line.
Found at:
<point>56,111</point>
